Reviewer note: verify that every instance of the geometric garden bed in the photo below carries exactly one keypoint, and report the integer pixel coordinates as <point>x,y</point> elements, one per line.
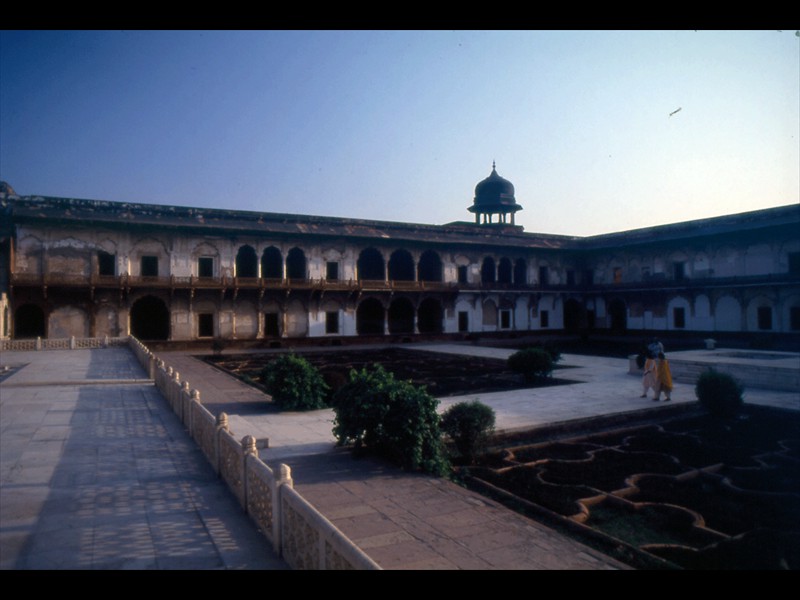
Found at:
<point>693,492</point>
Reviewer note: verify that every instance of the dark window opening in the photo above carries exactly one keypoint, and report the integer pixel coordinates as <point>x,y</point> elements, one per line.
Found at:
<point>205,325</point>
<point>370,316</point>
<point>29,322</point>
<point>765,318</point>
<point>504,271</point>
<point>679,317</point>
<point>401,266</point>
<point>149,266</point>
<point>401,316</point>
<point>246,262</point>
<point>505,319</point>
<point>430,316</point>
<point>794,263</point>
<point>430,267</point>
<point>150,319</point>
<point>106,263</point>
<point>271,324</point>
<point>617,274</point>
<point>794,318</point>
<point>332,321</point>
<point>488,273</point>
<point>544,319</point>
<point>370,265</point>
<point>570,277</point>
<point>588,277</point>
<point>332,271</point>
<point>272,264</point>
<point>544,276</point>
<point>463,321</point>
<point>520,272</point>
<point>205,266</point>
<point>462,274</point>
<point>296,264</point>
<point>679,271</point>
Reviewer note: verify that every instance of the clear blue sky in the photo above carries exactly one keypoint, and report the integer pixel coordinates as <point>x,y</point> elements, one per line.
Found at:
<point>401,125</point>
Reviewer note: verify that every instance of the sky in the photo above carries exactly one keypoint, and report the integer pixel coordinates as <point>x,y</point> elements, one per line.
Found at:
<point>599,131</point>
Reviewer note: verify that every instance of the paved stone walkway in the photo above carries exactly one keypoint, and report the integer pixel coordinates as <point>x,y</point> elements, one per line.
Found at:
<point>102,475</point>
<point>97,473</point>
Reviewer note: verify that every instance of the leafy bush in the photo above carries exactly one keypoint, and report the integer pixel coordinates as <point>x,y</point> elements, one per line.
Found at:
<point>389,417</point>
<point>549,347</point>
<point>469,425</point>
<point>531,363</point>
<point>719,393</point>
<point>294,383</point>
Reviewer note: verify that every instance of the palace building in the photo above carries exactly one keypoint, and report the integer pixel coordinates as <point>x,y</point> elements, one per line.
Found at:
<point>89,268</point>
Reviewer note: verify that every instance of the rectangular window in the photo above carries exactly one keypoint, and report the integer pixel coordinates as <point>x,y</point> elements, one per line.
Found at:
<point>205,325</point>
<point>543,276</point>
<point>332,271</point>
<point>271,327</point>
<point>463,321</point>
<point>462,274</point>
<point>332,321</point>
<point>205,266</point>
<point>106,263</point>
<point>617,274</point>
<point>764,318</point>
<point>544,319</point>
<point>679,317</point>
<point>149,266</point>
<point>505,319</point>
<point>794,318</point>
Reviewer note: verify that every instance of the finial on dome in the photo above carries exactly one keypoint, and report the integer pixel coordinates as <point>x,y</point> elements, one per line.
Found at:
<point>493,166</point>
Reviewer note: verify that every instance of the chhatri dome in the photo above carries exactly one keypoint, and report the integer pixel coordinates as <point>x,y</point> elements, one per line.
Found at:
<point>494,196</point>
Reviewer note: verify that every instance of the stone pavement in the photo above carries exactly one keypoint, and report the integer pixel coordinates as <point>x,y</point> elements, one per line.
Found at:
<point>104,476</point>
<point>96,472</point>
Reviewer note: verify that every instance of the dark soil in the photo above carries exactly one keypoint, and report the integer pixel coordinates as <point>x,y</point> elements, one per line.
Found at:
<point>442,374</point>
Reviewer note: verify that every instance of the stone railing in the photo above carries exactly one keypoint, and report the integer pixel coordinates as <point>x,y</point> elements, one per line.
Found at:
<point>297,531</point>
<point>71,343</point>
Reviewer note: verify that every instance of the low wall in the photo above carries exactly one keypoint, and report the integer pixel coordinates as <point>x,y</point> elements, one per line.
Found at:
<point>298,532</point>
<point>71,343</point>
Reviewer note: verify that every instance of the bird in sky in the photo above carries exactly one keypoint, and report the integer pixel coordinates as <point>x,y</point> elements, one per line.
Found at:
<point>674,111</point>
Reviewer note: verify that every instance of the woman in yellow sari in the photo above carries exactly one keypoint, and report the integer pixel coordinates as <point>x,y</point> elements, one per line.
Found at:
<point>664,378</point>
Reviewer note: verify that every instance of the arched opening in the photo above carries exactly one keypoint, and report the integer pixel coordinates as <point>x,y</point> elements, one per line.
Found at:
<point>430,267</point>
<point>370,265</point>
<point>401,316</point>
<point>246,262</point>
<point>520,272</point>
<point>401,266</point>
<point>504,271</point>
<point>488,271</point>
<point>29,322</point>
<point>430,316</point>
<point>272,263</point>
<point>370,317</point>
<point>572,315</point>
<point>618,314</point>
<point>150,319</point>
<point>296,264</point>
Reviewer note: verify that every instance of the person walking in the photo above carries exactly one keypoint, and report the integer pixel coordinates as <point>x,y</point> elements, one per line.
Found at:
<point>663,378</point>
<point>649,380</point>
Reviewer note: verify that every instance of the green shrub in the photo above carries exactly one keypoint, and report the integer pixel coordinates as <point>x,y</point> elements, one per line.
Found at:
<point>549,347</point>
<point>469,425</point>
<point>719,393</point>
<point>294,383</point>
<point>392,418</point>
<point>531,363</point>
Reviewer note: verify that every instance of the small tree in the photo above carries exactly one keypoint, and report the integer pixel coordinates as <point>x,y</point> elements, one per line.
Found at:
<point>294,383</point>
<point>392,418</point>
<point>469,425</point>
<point>719,393</point>
<point>531,363</point>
